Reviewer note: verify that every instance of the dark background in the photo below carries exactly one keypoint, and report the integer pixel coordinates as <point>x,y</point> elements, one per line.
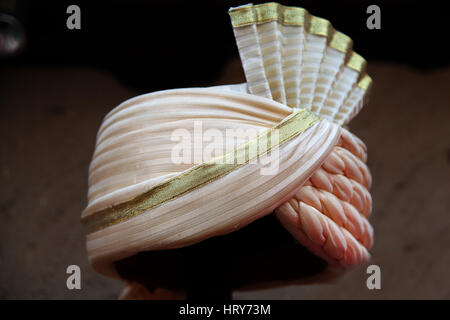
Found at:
<point>54,94</point>
<point>154,45</point>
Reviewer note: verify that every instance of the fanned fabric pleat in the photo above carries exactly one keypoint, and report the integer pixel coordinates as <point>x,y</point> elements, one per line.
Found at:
<point>301,60</point>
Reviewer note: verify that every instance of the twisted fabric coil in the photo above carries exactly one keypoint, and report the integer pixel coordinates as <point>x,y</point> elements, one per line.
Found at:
<point>329,214</point>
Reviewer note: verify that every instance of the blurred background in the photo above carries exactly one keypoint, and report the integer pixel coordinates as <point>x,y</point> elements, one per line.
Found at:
<point>57,84</point>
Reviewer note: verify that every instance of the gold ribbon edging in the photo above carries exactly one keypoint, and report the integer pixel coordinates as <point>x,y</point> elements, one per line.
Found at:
<point>198,175</point>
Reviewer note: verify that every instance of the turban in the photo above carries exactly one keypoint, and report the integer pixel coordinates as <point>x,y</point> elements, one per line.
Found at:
<point>176,167</point>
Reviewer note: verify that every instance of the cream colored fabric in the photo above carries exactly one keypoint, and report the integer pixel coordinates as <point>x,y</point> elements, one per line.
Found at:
<point>293,44</point>
<point>247,40</point>
<point>329,214</point>
<point>133,153</point>
<point>270,41</point>
<point>321,73</point>
<point>312,58</point>
<point>330,67</point>
<point>320,188</point>
<point>300,59</point>
<point>134,145</point>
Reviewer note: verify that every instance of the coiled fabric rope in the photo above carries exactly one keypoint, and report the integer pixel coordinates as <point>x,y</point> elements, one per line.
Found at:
<point>329,214</point>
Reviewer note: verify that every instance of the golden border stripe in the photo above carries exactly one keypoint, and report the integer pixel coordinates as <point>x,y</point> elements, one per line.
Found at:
<point>341,42</point>
<point>295,16</point>
<point>365,82</point>
<point>199,175</point>
<point>356,62</point>
<point>320,27</point>
<point>242,16</point>
<point>268,12</point>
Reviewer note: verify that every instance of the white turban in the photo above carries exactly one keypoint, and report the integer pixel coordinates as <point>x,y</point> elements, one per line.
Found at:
<point>176,167</point>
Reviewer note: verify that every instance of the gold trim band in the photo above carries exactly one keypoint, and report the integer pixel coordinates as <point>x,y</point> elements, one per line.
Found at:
<point>200,175</point>
<point>341,42</point>
<point>365,82</point>
<point>356,62</point>
<point>268,12</point>
<point>242,16</point>
<point>295,16</point>
<point>320,27</point>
